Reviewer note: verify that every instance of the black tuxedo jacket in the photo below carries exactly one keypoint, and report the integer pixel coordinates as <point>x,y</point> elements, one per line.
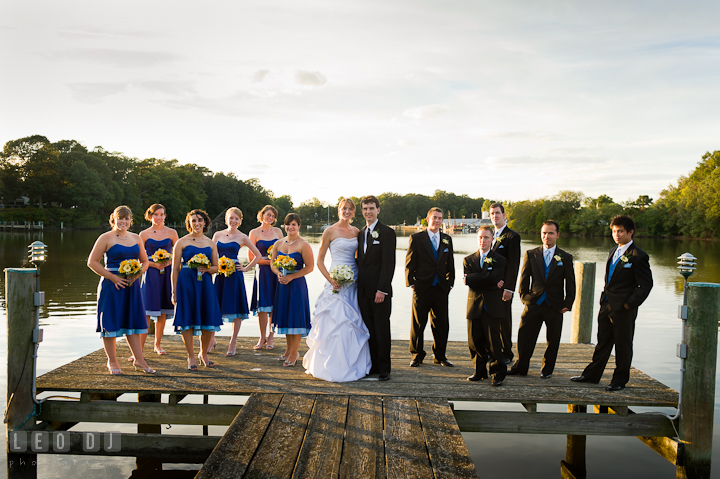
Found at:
<point>559,286</point>
<point>631,282</point>
<point>482,280</point>
<point>508,247</point>
<point>421,267</point>
<point>376,266</point>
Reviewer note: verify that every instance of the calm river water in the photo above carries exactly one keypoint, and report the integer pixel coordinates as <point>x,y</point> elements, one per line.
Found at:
<point>69,322</point>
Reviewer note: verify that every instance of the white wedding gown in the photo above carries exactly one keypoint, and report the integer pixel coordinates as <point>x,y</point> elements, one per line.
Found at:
<point>338,338</point>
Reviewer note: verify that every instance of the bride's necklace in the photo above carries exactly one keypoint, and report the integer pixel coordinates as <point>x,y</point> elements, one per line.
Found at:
<point>161,231</point>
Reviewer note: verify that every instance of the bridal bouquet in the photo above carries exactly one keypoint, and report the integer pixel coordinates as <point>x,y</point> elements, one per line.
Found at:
<point>161,257</point>
<point>197,261</point>
<point>130,269</point>
<point>285,264</point>
<point>226,266</point>
<point>343,274</point>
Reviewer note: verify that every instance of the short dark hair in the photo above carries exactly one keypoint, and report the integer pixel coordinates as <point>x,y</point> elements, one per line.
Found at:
<point>370,199</point>
<point>200,213</point>
<point>552,222</point>
<point>290,217</point>
<point>624,221</point>
<point>435,208</point>
<point>498,205</point>
<point>486,227</point>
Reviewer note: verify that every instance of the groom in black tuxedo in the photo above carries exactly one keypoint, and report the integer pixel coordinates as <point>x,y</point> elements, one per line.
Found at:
<point>430,272</point>
<point>376,267</point>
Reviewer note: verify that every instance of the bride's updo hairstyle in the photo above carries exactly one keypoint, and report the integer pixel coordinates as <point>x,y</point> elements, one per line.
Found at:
<point>233,209</point>
<point>121,212</point>
<point>292,217</point>
<point>153,208</point>
<point>201,214</point>
<point>347,201</point>
<point>262,212</point>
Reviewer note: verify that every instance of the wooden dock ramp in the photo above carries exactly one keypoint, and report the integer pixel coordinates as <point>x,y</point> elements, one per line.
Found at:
<point>322,436</point>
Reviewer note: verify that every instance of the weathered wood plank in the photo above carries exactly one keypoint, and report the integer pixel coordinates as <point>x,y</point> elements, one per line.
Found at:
<point>449,456</point>
<point>322,448</point>
<point>667,447</point>
<point>561,423</point>
<point>144,413</point>
<point>233,453</point>
<point>363,451</point>
<point>278,451</point>
<point>406,454</point>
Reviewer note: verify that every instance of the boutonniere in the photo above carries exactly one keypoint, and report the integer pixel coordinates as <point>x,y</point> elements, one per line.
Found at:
<point>446,241</point>
<point>558,258</point>
<point>375,235</point>
<point>500,239</point>
<point>490,260</point>
<point>625,258</point>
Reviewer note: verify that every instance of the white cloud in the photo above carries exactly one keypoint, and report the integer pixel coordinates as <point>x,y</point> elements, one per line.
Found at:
<point>260,75</point>
<point>427,112</point>
<point>310,78</point>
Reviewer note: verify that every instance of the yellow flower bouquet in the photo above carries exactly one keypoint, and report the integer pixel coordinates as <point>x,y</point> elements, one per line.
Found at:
<point>269,251</point>
<point>162,257</point>
<point>226,266</point>
<point>285,264</point>
<point>197,261</point>
<point>130,269</point>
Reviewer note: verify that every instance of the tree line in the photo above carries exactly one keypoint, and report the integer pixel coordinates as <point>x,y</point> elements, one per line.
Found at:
<point>66,182</point>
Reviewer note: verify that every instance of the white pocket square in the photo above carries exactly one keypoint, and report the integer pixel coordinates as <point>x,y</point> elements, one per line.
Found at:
<point>627,265</point>
<point>376,242</point>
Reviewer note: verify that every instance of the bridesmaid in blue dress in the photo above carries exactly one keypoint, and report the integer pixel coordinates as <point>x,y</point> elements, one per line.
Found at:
<point>120,306</point>
<point>231,289</point>
<point>157,282</point>
<point>197,312</point>
<point>265,281</point>
<point>292,306</point>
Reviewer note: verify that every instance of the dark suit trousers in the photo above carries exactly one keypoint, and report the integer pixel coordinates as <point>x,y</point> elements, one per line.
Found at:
<point>614,329</point>
<point>485,345</point>
<point>433,301</point>
<point>506,329</point>
<point>377,319</point>
<point>531,321</point>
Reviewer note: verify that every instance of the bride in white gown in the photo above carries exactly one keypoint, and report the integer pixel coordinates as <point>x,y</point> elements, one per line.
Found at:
<point>338,338</point>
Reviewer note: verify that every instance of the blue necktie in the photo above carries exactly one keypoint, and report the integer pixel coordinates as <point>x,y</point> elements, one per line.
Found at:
<point>613,264</point>
<point>435,250</point>
<point>547,261</point>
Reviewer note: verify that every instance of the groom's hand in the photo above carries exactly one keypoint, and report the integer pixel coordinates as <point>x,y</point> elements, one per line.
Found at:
<point>379,297</point>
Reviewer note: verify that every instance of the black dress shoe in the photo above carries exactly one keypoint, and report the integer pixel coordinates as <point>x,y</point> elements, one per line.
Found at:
<point>507,360</point>
<point>497,382</point>
<point>414,363</point>
<point>444,362</point>
<point>514,372</point>
<point>582,379</point>
<point>545,376</point>
<point>476,377</point>
<point>384,376</point>
<point>615,387</point>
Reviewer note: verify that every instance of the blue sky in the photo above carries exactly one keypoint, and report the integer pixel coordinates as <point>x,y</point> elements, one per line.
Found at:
<point>504,100</point>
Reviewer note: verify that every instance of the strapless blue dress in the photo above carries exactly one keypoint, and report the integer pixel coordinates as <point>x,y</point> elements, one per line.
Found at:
<point>265,282</point>
<point>120,311</point>
<point>231,290</point>
<point>291,309</point>
<point>196,305</point>
<point>156,287</point>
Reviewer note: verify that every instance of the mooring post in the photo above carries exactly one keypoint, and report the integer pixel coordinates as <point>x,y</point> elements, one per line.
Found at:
<point>19,297</point>
<point>581,331</point>
<point>698,393</point>
<point>573,467</point>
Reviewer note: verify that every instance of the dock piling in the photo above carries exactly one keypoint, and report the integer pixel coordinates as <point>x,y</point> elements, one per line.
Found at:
<point>19,296</point>
<point>581,331</point>
<point>698,394</point>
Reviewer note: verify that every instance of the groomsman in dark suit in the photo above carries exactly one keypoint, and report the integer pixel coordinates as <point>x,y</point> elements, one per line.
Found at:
<point>628,282</point>
<point>506,243</point>
<point>547,288</point>
<point>484,271</point>
<point>430,272</point>
<point>376,267</point>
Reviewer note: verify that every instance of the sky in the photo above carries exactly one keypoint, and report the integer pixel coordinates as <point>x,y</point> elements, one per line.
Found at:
<point>500,100</point>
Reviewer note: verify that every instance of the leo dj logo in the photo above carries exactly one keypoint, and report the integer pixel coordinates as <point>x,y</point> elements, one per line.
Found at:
<point>60,441</point>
